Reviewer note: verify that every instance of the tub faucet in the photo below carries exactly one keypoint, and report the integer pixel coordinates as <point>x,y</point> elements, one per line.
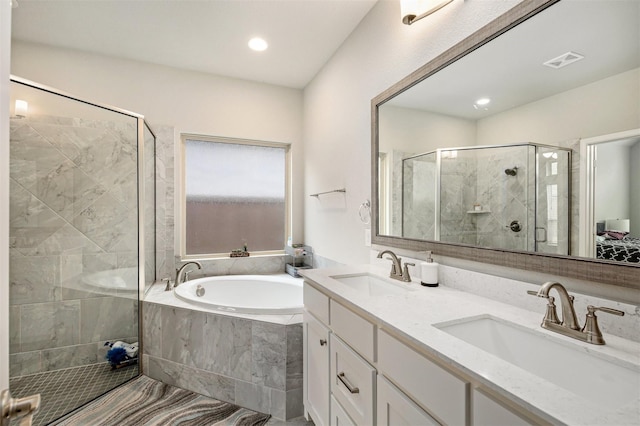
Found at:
<point>397,272</point>
<point>569,325</point>
<point>180,273</point>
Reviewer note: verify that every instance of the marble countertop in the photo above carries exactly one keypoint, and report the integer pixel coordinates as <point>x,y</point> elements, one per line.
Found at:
<point>411,316</point>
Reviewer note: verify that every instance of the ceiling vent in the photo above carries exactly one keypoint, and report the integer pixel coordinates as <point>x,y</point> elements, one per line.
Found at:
<point>563,60</point>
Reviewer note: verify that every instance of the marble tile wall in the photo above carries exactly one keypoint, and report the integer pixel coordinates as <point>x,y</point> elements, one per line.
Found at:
<point>506,197</point>
<point>254,364</point>
<point>419,197</point>
<point>458,193</point>
<point>73,197</point>
<point>477,176</point>
<point>165,204</point>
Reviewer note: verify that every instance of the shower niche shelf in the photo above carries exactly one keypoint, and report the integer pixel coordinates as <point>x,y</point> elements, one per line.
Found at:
<point>478,211</point>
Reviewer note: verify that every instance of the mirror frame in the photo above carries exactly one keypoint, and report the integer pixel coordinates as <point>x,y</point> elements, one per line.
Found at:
<point>601,271</point>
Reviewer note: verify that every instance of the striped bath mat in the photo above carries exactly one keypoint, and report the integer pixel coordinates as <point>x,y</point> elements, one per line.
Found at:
<point>147,402</point>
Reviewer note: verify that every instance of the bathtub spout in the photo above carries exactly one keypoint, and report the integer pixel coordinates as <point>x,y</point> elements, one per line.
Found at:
<point>180,273</point>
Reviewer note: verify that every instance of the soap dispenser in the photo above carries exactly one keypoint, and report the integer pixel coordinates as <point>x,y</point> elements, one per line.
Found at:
<point>429,272</point>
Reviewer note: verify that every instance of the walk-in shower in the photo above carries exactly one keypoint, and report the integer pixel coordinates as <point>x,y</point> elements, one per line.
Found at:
<point>509,196</point>
<point>82,242</point>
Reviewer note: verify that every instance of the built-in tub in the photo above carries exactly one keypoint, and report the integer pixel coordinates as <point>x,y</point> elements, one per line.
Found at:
<point>251,359</point>
<point>248,294</point>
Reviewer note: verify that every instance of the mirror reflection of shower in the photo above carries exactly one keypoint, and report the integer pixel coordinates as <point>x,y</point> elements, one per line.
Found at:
<point>511,172</point>
<point>465,197</point>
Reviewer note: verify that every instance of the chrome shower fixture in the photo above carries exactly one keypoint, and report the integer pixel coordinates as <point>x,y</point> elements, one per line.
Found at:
<point>511,172</point>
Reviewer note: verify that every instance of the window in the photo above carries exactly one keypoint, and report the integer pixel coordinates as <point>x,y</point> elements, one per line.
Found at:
<point>235,193</point>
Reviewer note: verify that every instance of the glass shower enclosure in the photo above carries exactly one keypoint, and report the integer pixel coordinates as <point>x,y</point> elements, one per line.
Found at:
<point>514,197</point>
<point>82,243</point>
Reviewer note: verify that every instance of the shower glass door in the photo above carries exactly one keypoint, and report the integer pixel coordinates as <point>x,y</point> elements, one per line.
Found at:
<point>552,200</point>
<point>74,249</point>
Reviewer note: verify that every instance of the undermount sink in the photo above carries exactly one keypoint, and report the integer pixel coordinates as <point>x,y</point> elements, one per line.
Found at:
<point>372,285</point>
<point>610,382</point>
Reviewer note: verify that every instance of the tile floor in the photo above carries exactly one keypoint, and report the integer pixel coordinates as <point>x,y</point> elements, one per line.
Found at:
<point>62,391</point>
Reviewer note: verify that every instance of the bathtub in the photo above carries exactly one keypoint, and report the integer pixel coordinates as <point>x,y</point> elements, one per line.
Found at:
<point>245,294</point>
<point>120,280</point>
<point>241,342</point>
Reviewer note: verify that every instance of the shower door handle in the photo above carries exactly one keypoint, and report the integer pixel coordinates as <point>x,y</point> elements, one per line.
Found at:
<point>21,409</point>
<point>544,239</point>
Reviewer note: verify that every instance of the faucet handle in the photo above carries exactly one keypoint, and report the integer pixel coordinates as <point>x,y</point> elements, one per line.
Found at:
<point>551,315</point>
<point>168,281</point>
<point>592,309</point>
<point>405,272</point>
<point>591,329</point>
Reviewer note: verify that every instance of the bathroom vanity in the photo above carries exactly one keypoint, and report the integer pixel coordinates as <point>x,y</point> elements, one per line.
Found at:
<point>380,351</point>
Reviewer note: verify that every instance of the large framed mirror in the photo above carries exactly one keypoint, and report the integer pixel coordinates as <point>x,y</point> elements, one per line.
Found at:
<point>520,146</point>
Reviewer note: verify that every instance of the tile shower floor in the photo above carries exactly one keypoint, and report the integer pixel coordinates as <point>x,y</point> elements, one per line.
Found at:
<point>64,390</point>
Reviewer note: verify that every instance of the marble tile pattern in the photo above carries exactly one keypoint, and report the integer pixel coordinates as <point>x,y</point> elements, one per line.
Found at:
<point>251,363</point>
<point>506,197</point>
<point>419,198</point>
<point>477,176</point>
<point>73,198</point>
<point>165,203</point>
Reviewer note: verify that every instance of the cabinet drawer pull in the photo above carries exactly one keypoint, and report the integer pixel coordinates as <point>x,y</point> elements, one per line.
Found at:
<point>323,342</point>
<point>346,383</point>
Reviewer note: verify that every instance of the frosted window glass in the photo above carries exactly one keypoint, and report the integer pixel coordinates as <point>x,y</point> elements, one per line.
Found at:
<point>235,195</point>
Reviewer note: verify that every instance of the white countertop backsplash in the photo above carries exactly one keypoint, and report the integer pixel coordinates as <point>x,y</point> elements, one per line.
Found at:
<point>412,314</point>
<point>514,292</point>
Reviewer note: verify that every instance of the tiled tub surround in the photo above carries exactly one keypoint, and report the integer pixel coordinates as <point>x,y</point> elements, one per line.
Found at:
<point>254,361</point>
<point>73,212</point>
<point>410,317</point>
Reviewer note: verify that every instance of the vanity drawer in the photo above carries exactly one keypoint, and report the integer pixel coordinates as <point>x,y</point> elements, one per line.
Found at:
<point>489,412</point>
<point>439,392</point>
<point>316,303</point>
<point>339,417</point>
<point>353,329</point>
<point>352,382</point>
<point>395,408</point>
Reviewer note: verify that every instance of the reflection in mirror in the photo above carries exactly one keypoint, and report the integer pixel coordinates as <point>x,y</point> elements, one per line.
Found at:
<point>498,149</point>
<point>510,196</point>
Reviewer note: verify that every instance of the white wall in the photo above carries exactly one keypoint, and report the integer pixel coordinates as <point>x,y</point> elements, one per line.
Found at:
<point>337,119</point>
<point>567,115</point>
<point>192,102</point>
<point>5,56</point>
<point>415,131</point>
<point>635,191</point>
<point>613,180</point>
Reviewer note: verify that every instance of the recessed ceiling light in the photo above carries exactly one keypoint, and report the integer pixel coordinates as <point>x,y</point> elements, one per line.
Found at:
<point>481,103</point>
<point>258,44</point>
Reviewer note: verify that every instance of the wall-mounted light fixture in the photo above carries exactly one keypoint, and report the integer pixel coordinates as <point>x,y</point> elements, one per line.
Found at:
<point>413,10</point>
<point>21,108</point>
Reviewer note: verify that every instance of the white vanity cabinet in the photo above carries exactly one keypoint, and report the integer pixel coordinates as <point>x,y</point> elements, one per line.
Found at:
<point>353,382</point>
<point>316,369</point>
<point>339,380</point>
<point>440,393</point>
<point>357,373</point>
<point>488,412</point>
<point>316,356</point>
<point>394,408</point>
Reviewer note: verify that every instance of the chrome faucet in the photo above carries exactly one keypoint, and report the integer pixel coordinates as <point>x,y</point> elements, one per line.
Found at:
<point>397,271</point>
<point>569,325</point>
<point>181,274</point>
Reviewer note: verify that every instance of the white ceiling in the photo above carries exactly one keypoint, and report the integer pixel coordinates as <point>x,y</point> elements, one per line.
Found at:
<point>202,35</point>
